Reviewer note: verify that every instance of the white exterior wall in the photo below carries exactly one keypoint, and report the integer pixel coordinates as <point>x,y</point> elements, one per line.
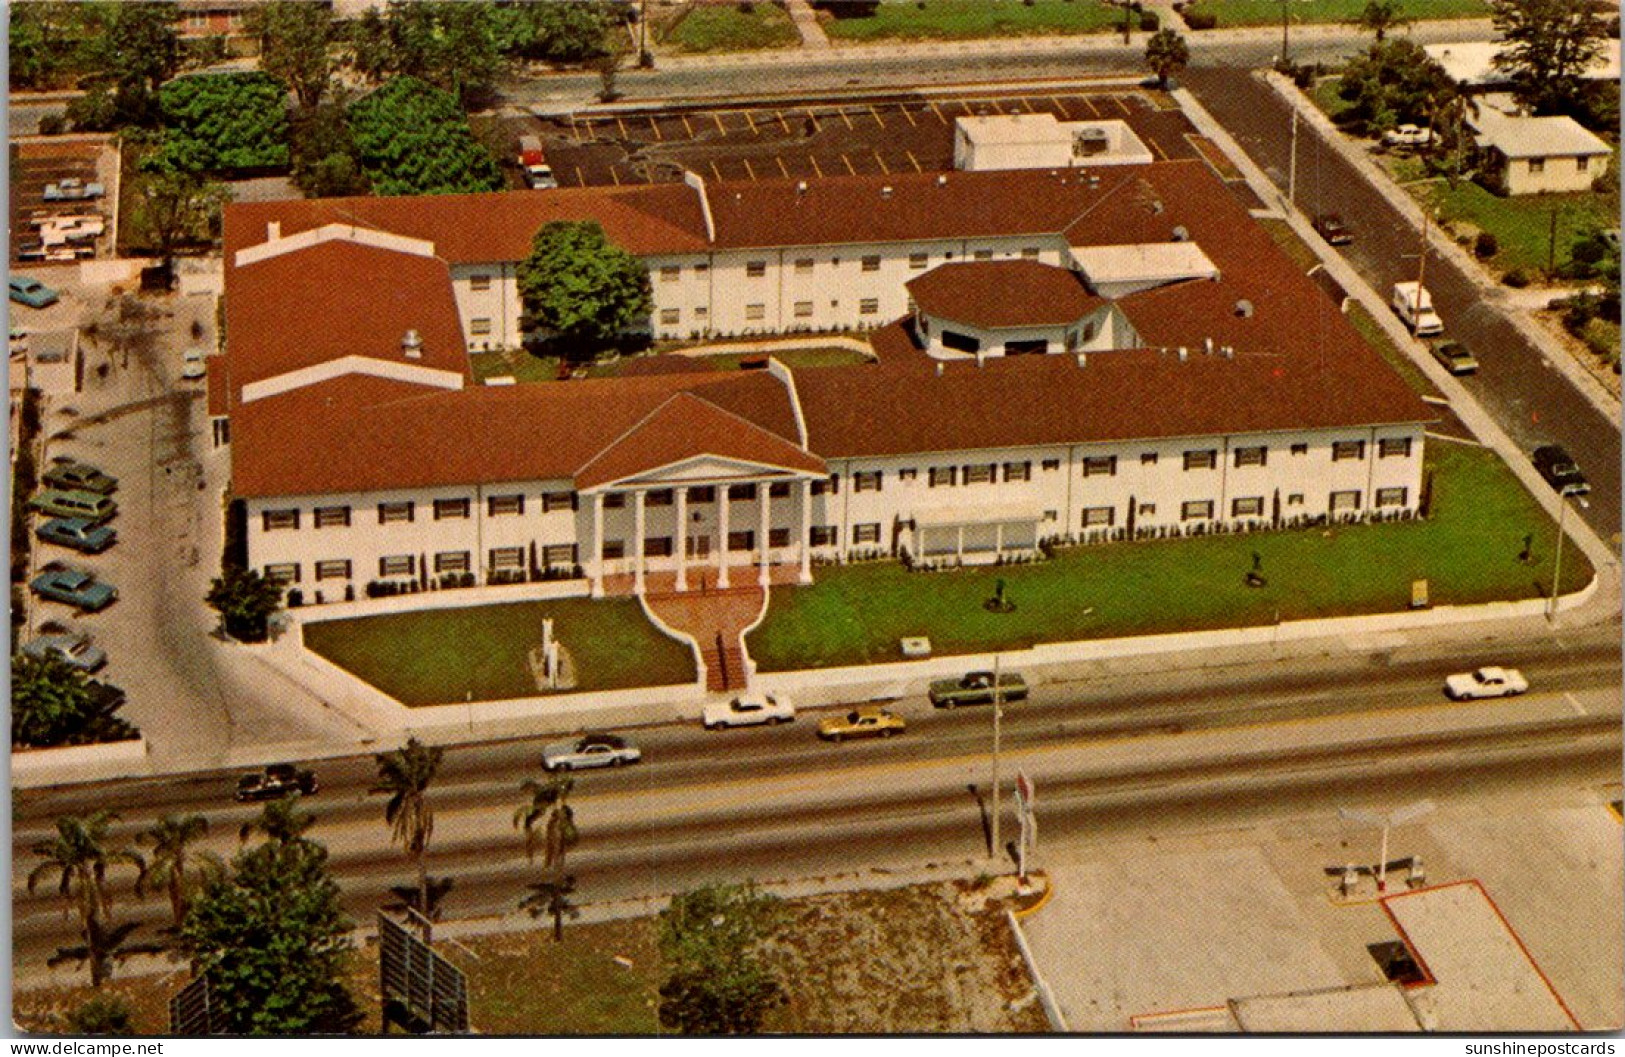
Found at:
<point>499,304</point>
<point>1557,175</point>
<point>1104,338</point>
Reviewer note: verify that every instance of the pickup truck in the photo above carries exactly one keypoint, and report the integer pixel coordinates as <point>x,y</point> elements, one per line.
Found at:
<point>976,688</point>
<point>533,159</point>
<point>276,781</point>
<point>1413,304</point>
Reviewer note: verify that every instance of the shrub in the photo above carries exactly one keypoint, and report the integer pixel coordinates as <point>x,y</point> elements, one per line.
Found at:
<point>1516,278</point>
<point>413,138</point>
<point>1149,22</point>
<point>1201,19</point>
<point>1486,245</point>
<point>53,124</point>
<point>222,122</point>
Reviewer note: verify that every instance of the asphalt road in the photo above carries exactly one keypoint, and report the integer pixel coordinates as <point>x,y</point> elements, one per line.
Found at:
<point>1532,401</point>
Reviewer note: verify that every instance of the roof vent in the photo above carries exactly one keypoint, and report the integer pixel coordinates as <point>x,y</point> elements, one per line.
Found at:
<point>412,345</point>
<point>1181,235</point>
<point>1083,359</point>
<point>1156,206</point>
<point>1207,346</point>
<point>1094,181</point>
<point>940,367</point>
<point>942,180</point>
<point>1244,308</point>
<point>885,192</point>
<point>801,188</point>
<point>1228,352</point>
<point>1184,354</point>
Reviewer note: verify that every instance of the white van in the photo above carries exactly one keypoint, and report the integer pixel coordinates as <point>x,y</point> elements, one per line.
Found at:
<point>1412,302</point>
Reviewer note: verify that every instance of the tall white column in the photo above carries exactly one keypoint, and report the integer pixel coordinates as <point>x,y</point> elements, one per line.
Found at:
<point>595,560</point>
<point>998,538</point>
<point>959,544</point>
<point>763,492</point>
<point>637,541</point>
<point>806,531</point>
<point>681,542</point>
<point>722,531</point>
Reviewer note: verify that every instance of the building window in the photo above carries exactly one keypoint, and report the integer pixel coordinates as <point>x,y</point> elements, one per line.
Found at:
<point>741,493</point>
<point>742,541</point>
<point>503,558</point>
<point>334,569</point>
<point>1394,448</point>
<point>1051,464</point>
<point>701,312</point>
<point>670,272</point>
<point>702,493</point>
<point>1052,515</point>
<point>388,512</point>
<point>397,565</point>
<point>1344,502</point>
<point>1300,449</point>
<point>701,268</point>
<point>272,520</point>
<point>908,473</point>
<point>1148,510</point>
<point>1099,516</point>
<point>552,501</point>
<point>447,509</point>
<point>866,481</point>
<point>918,261</point>
<point>332,517</point>
<point>451,562</point>
<point>1392,496</point>
<point>779,490</point>
<point>1582,163</point>
<point>1029,253</point>
<point>982,255</point>
<point>869,532</point>
<point>559,554</point>
<point>479,325</point>
<point>479,282</point>
<point>820,487</point>
<point>824,535</point>
<point>756,311</point>
<point>756,269</point>
<point>869,306</point>
<point>942,476</point>
<point>670,316</point>
<point>1537,165</point>
<point>804,265</point>
<point>1294,499</point>
<point>614,550</point>
<point>1252,506</point>
<point>614,500</point>
<point>871,263</point>
<point>980,473</point>
<point>284,573</point>
<point>1100,466</point>
<point>1148,458</point>
<point>1196,510</point>
<point>1252,456</point>
<point>1201,460</point>
<point>803,309</point>
<point>658,497</point>
<point>779,537</point>
<point>498,505</point>
<point>1018,471</point>
<point>1348,449</point>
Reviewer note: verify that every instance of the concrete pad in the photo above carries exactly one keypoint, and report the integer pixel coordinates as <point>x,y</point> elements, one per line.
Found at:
<point>1372,1007</point>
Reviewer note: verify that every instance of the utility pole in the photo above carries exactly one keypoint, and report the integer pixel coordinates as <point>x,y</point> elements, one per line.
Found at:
<point>1286,58</point>
<point>1128,9</point>
<point>998,711</point>
<point>1551,243</point>
<point>1422,258</point>
<point>1557,558</point>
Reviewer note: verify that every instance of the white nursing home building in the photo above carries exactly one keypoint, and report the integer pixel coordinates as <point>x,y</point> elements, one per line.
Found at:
<point>1059,357</point>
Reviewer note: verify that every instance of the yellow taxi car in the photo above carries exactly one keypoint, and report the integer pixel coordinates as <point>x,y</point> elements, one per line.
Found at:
<point>867,722</point>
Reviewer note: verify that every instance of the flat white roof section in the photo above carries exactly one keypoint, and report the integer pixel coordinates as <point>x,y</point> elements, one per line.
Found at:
<point>1483,977</point>
<point>1366,1008</point>
<point>1472,61</point>
<point>1113,271</point>
<point>1040,141</point>
<point>1010,128</point>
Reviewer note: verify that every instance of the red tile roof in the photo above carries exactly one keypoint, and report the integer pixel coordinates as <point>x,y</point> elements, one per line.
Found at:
<point>1011,293</point>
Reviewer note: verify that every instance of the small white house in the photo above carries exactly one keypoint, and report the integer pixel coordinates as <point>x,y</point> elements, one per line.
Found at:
<point>1535,155</point>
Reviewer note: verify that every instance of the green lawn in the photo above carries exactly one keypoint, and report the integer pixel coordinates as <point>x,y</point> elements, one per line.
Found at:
<point>1468,551</point>
<point>970,19</point>
<point>438,656</point>
<point>1378,339</point>
<point>833,356</point>
<point>1268,12</point>
<point>517,364</point>
<point>1522,224</point>
<point>731,27</point>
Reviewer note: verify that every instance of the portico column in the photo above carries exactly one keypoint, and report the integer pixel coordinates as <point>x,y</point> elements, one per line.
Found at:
<point>764,492</point>
<point>722,549</point>
<point>998,538</point>
<point>806,531</point>
<point>637,541</point>
<point>595,561</point>
<point>959,543</point>
<point>681,542</point>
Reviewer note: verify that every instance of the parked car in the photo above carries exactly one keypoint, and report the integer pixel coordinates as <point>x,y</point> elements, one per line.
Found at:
<point>1413,304</point>
<point>866,722</point>
<point>76,533</point>
<point>275,782</point>
<point>1330,227</point>
<point>73,190</point>
<point>31,292</point>
<point>976,688</point>
<point>590,750</point>
<point>1560,470</point>
<point>748,710</point>
<point>78,587</point>
<point>18,344</point>
<point>76,649</point>
<point>74,503</point>
<point>192,364</point>
<point>1456,357</point>
<point>1485,682</point>
<point>70,475</point>
<point>1407,136</point>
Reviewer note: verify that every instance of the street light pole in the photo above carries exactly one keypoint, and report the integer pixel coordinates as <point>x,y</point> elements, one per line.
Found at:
<point>1557,557</point>
<point>1286,59</point>
<point>998,711</point>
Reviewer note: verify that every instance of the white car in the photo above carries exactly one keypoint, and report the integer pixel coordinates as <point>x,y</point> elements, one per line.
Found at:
<point>1486,682</point>
<point>1408,136</point>
<point>749,710</point>
<point>192,364</point>
<point>589,750</point>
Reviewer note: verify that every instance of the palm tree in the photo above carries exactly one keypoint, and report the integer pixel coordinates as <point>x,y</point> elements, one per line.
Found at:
<point>552,897</point>
<point>1166,53</point>
<point>550,808</point>
<point>173,859</point>
<point>405,775</point>
<point>79,856</point>
<point>1381,16</point>
<point>282,822</point>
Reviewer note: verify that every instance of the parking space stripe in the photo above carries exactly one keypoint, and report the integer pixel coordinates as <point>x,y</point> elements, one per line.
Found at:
<point>935,109</point>
<point>904,111</point>
<point>613,175</point>
<point>994,104</point>
<point>1124,106</point>
<point>749,170</point>
<point>622,127</point>
<point>816,169</point>
<point>752,121</point>
<point>783,123</point>
<point>581,180</point>
<point>782,167</point>
<point>1090,103</point>
<point>1161,154</point>
<point>720,126</point>
<point>686,126</point>
<point>876,113</point>
<point>814,119</point>
<point>913,161</point>
<point>881,160</point>
<point>848,161</point>
<point>716,171</point>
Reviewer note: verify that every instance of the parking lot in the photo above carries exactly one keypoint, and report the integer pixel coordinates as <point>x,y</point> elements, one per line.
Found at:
<point>71,227</point>
<point>822,139</point>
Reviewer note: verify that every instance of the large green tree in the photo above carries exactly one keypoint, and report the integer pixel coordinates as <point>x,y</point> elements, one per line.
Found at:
<point>405,774</point>
<point>1381,17</point>
<point>582,289</point>
<point>412,139</point>
<point>326,163</point>
<point>1166,53</point>
<point>295,40</point>
<point>1548,46</point>
<point>176,866</point>
<point>246,601</point>
<point>274,940</point>
<point>449,43</point>
<point>43,34</point>
<point>572,32</point>
<point>130,48</point>
<point>53,703</point>
<point>718,982</point>
<point>1394,82</point>
<point>78,857</point>
<point>223,122</point>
